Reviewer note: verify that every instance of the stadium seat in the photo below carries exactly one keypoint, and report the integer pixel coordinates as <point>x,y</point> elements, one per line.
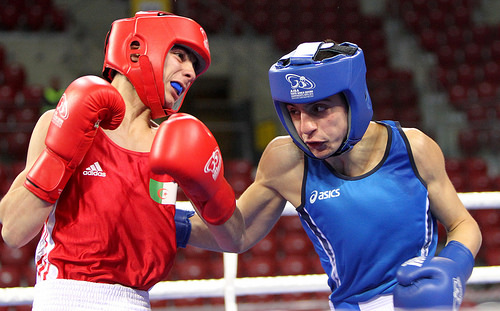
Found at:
<point>35,17</point>
<point>487,218</point>
<point>7,97</point>
<point>32,96</point>
<point>9,17</point>
<point>192,268</point>
<point>296,243</point>
<point>487,90</point>
<point>478,113</point>
<point>256,266</point>
<point>294,265</point>
<point>268,246</point>
<point>468,142</point>
<point>15,75</point>
<point>15,256</point>
<point>289,224</point>
<point>491,72</point>
<point>17,143</point>
<point>10,276</point>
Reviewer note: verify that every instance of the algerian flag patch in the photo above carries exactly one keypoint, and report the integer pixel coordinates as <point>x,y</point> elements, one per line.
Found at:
<point>163,192</point>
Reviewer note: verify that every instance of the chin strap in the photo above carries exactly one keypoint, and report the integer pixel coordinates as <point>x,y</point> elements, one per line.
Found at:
<point>151,93</point>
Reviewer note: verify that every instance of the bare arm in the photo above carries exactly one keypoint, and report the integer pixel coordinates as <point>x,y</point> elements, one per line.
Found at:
<point>22,214</point>
<point>444,201</point>
<point>277,181</point>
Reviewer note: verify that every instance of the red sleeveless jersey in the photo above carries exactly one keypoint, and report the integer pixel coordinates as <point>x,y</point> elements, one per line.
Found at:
<point>105,227</point>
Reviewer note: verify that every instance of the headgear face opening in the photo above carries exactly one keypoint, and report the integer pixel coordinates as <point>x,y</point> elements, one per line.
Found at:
<point>137,47</point>
<point>305,76</point>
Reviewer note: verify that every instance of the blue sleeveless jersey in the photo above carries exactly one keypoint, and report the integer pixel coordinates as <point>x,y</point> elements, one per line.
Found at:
<point>363,228</point>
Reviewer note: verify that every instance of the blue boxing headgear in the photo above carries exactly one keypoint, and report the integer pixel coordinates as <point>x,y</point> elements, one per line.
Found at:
<point>315,71</point>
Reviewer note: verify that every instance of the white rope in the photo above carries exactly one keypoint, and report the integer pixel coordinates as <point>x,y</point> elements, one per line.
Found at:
<point>471,200</point>
<point>231,286</point>
<point>242,287</point>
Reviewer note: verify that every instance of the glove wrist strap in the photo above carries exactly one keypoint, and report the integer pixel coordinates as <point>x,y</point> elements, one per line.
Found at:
<point>460,254</point>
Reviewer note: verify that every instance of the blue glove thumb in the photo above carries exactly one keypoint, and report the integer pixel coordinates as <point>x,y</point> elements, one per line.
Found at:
<point>436,283</point>
<point>182,226</point>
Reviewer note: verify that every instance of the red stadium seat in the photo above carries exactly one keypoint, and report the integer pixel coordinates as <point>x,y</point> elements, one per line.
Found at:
<point>466,74</point>
<point>476,166</point>
<point>478,113</point>
<point>57,20</point>
<point>192,268</point>
<point>7,97</point>
<point>9,17</point>
<point>35,17</point>
<point>289,224</point>
<point>3,58</point>
<point>487,90</point>
<point>455,37</point>
<point>17,143</point>
<point>10,276</point>
<point>16,256</point>
<point>27,115</point>
<point>32,96</point>
<point>487,218</point>
<point>296,243</point>
<point>468,142</point>
<point>492,72</point>
<point>256,266</point>
<point>268,246</point>
<point>239,183</point>
<point>15,75</point>
<point>294,265</point>
<point>473,53</point>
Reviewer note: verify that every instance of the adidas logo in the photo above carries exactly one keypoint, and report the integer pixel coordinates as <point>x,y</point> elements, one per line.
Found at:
<point>94,170</point>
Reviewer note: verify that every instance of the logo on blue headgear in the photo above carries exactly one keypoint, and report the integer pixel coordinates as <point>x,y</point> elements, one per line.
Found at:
<point>301,86</point>
<point>315,71</point>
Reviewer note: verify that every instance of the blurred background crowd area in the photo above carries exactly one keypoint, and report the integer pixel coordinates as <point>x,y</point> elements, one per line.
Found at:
<point>432,64</point>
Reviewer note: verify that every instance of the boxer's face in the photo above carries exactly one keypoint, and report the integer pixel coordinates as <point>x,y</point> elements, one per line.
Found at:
<point>178,73</point>
<point>322,125</point>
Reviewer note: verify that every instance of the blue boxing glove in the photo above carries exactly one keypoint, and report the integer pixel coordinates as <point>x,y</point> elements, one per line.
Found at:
<point>182,226</point>
<point>434,283</point>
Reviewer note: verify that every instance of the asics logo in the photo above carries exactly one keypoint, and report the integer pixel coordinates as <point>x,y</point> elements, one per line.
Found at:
<point>301,82</point>
<point>94,170</point>
<point>214,163</point>
<point>323,195</point>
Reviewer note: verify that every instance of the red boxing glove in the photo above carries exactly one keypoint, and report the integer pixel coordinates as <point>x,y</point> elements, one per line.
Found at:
<point>185,149</point>
<point>87,103</point>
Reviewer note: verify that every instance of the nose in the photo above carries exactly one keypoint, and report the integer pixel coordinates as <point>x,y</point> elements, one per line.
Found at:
<point>307,124</point>
<point>188,71</point>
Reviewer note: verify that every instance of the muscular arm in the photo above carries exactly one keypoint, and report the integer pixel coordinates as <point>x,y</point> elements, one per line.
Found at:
<point>22,214</point>
<point>277,181</point>
<point>444,201</point>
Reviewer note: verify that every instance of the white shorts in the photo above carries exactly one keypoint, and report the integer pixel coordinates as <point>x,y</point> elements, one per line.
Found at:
<point>75,295</point>
<point>379,303</point>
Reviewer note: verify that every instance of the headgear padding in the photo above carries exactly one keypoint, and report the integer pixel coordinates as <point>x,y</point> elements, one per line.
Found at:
<point>305,76</point>
<point>150,36</point>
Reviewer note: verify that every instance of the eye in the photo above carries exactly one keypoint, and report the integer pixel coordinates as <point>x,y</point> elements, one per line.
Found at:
<point>292,110</point>
<point>319,108</point>
<point>180,53</point>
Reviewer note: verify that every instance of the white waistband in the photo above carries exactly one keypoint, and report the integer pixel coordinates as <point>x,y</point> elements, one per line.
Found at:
<point>75,295</point>
<point>379,303</point>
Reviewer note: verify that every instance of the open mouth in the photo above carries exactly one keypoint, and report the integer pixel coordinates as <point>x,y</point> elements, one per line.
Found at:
<point>177,87</point>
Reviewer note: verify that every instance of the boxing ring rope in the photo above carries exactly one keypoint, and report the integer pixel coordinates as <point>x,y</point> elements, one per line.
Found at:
<point>230,286</point>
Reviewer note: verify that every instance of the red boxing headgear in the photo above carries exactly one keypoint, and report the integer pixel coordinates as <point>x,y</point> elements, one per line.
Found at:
<point>150,35</point>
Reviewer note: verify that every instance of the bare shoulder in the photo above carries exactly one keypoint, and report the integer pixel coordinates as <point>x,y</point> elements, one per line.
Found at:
<point>281,168</point>
<point>427,154</point>
<point>282,154</point>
